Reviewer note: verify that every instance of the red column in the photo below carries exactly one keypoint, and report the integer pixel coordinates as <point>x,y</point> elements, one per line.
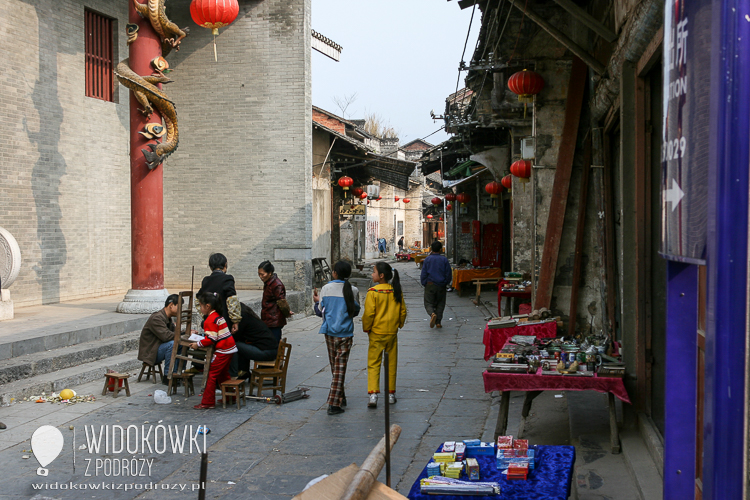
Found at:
<point>146,186</point>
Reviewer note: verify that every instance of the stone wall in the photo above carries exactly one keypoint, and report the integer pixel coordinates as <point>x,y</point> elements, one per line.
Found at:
<point>321,237</point>
<point>241,181</point>
<point>64,161</point>
<point>413,215</point>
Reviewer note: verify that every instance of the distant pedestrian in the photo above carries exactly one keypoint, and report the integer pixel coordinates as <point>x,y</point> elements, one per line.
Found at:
<point>218,335</point>
<point>337,305</point>
<point>274,307</point>
<point>436,276</point>
<point>385,313</point>
<point>401,245</point>
<point>382,247</point>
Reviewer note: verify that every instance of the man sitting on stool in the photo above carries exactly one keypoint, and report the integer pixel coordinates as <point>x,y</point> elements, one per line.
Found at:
<point>436,276</point>
<point>255,342</point>
<point>157,337</point>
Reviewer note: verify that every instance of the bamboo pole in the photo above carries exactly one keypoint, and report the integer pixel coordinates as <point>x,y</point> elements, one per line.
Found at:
<point>362,483</point>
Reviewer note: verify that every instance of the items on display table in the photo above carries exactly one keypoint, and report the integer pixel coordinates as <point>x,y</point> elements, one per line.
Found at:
<point>509,468</point>
<point>469,273</point>
<point>499,330</point>
<point>558,356</point>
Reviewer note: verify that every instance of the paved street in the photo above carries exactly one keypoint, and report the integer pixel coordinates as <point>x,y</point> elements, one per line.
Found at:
<point>269,451</point>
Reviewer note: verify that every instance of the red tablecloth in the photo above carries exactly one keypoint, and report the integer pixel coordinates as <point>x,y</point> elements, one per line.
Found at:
<point>538,382</point>
<point>495,339</point>
<point>512,295</point>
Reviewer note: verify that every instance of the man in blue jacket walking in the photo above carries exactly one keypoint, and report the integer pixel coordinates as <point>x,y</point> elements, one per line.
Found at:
<point>436,276</point>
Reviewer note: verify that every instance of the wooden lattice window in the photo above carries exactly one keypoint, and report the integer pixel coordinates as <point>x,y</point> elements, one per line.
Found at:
<point>99,77</point>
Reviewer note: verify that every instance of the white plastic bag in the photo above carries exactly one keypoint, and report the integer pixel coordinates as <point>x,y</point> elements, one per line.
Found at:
<point>161,398</point>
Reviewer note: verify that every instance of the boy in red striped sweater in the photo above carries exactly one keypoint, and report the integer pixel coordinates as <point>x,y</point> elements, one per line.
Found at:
<point>218,335</point>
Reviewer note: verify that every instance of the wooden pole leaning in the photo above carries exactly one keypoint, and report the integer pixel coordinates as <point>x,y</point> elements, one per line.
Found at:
<point>387,385</point>
<point>362,483</point>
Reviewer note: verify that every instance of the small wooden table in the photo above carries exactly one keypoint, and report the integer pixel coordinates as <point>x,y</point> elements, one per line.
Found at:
<point>115,378</point>
<point>466,275</point>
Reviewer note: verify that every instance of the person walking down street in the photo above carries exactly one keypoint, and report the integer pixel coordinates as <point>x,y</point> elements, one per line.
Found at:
<point>436,276</point>
<point>382,247</point>
<point>385,314</point>
<point>274,307</point>
<point>222,284</point>
<point>255,342</point>
<point>218,335</point>
<point>337,305</point>
<point>401,245</point>
<point>157,337</point>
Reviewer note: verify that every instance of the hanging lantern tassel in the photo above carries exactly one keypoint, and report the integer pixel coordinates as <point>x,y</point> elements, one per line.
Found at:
<point>214,14</point>
<point>215,31</point>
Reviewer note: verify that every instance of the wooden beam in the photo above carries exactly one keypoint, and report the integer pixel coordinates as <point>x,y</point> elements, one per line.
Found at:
<point>561,186</point>
<point>582,199</point>
<point>609,238</point>
<point>561,37</point>
<point>651,55</point>
<point>363,481</point>
<point>588,20</point>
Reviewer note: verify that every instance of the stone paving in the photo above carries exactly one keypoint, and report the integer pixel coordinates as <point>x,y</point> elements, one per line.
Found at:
<point>269,451</point>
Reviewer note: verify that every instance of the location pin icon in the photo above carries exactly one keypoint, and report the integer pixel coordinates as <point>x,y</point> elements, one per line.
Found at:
<point>46,443</point>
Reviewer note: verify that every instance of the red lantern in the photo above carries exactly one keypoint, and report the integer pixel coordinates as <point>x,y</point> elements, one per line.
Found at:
<point>429,216</point>
<point>449,207</point>
<point>441,218</point>
<point>214,14</point>
<point>406,200</point>
<point>450,197</point>
<point>436,201</point>
<point>521,169</point>
<point>397,198</point>
<point>345,182</point>
<point>526,84</point>
<point>363,196</point>
<point>379,198</point>
<point>463,198</point>
<point>493,188</point>
<point>507,182</point>
<point>357,192</point>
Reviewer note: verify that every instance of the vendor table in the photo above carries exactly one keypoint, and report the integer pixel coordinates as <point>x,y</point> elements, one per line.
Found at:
<point>510,296</point>
<point>419,258</point>
<point>534,384</point>
<point>464,275</point>
<point>495,338</point>
<point>551,480</point>
<point>404,256</point>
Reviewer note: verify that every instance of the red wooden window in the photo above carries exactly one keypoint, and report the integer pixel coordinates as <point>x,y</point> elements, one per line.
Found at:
<point>99,77</point>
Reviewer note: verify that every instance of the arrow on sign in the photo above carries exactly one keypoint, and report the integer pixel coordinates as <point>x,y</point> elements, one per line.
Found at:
<point>674,195</point>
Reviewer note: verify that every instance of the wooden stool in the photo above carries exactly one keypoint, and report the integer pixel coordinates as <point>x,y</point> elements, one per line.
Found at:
<point>233,387</point>
<point>115,378</point>
<point>187,383</point>
<point>150,371</point>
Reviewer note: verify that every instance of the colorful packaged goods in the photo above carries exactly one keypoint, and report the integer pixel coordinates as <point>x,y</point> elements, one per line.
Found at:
<point>434,469</point>
<point>449,446</point>
<point>472,469</point>
<point>454,470</point>
<point>460,452</point>
<point>504,442</point>
<point>506,456</point>
<point>518,470</point>
<point>444,457</point>
<point>520,444</point>
<point>480,449</point>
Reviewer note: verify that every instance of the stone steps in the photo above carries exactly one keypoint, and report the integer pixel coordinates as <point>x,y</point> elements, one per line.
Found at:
<point>40,363</point>
<point>70,377</point>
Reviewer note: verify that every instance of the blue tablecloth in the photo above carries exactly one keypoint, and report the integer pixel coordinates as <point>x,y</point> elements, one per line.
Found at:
<point>551,480</point>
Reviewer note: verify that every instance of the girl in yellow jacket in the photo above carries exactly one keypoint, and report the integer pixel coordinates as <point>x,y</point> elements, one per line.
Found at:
<point>385,313</point>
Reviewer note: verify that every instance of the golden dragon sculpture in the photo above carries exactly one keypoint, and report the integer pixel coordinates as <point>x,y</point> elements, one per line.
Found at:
<point>171,35</point>
<point>147,93</point>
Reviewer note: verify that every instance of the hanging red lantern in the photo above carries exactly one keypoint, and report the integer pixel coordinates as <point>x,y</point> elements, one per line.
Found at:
<point>463,198</point>
<point>449,207</point>
<point>441,218</point>
<point>493,188</point>
<point>436,201</point>
<point>357,192</point>
<point>429,216</point>
<point>345,182</point>
<point>526,84</point>
<point>521,169</point>
<point>507,182</point>
<point>214,14</point>
<point>363,196</point>
<point>406,200</point>
<point>396,198</point>
<point>451,197</point>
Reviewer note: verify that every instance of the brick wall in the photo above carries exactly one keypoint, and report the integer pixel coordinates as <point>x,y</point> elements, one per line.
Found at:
<point>328,121</point>
<point>241,181</point>
<point>64,164</point>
